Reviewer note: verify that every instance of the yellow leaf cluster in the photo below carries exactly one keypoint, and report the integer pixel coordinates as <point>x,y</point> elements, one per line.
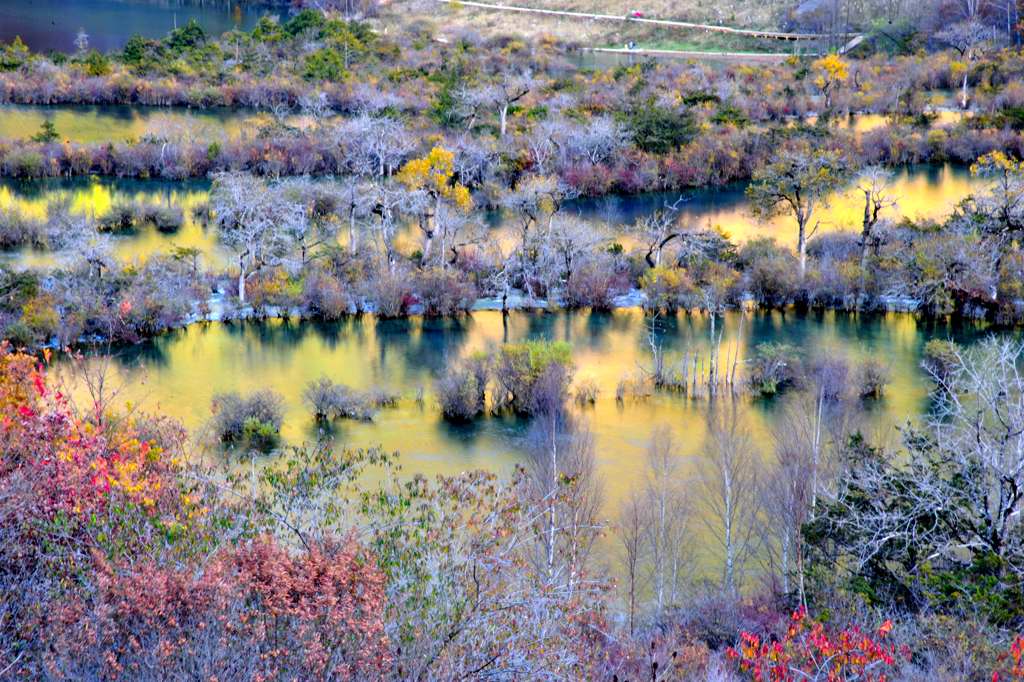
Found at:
<point>833,68</point>
<point>435,173</point>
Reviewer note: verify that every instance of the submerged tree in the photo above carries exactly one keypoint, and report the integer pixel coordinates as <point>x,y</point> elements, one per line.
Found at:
<point>729,487</point>
<point>969,38</point>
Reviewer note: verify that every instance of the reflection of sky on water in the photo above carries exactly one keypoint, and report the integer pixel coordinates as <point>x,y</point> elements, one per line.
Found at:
<point>922,191</point>
<point>179,373</point>
<point>47,25</point>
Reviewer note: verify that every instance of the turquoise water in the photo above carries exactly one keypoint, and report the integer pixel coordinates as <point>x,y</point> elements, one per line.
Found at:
<point>53,24</point>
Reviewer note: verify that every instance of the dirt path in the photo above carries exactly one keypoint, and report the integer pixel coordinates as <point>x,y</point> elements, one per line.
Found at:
<point>747,57</point>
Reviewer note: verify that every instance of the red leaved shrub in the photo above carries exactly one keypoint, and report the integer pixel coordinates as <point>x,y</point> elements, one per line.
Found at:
<point>810,651</point>
<point>254,612</point>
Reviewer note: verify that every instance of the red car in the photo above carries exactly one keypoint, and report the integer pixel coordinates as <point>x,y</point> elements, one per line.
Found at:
<point>636,14</point>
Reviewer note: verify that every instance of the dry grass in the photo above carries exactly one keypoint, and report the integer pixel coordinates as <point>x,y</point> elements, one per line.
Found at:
<point>736,13</point>
<point>600,33</point>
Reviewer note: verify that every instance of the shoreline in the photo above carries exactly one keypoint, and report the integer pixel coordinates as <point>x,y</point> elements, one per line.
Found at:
<point>516,302</point>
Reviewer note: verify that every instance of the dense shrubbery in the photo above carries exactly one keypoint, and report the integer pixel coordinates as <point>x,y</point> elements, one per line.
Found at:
<point>772,368</point>
<point>122,560</point>
<point>248,421</point>
<point>121,557</point>
<point>533,377</point>
<point>111,567</point>
<point>328,400</point>
<point>71,504</point>
<point>462,390</point>
<point>650,126</point>
<point>286,236</point>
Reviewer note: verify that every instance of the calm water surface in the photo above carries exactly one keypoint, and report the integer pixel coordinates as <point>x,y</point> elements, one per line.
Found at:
<point>95,197</point>
<point>85,123</point>
<point>923,191</point>
<point>53,24</point>
<point>179,373</point>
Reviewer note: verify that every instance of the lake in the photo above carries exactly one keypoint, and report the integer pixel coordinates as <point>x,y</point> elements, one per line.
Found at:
<point>47,25</point>
<point>179,373</point>
<point>117,123</point>
<point>924,192</point>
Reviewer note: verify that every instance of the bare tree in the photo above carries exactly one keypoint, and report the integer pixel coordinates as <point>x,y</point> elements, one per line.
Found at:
<point>596,141</point>
<point>81,41</point>
<point>801,468</point>
<point>320,202</point>
<point>386,199</point>
<point>969,38</point>
<point>631,527</point>
<point>562,245</point>
<point>729,488</point>
<point>666,502</point>
<point>456,230</point>
<point>950,502</point>
<point>534,200</point>
<point>316,106</point>
<point>874,182</point>
<point>374,146</point>
<point>567,492</point>
<point>658,230</point>
<point>542,143</point>
<point>256,222</point>
<point>354,205</point>
<point>510,90</point>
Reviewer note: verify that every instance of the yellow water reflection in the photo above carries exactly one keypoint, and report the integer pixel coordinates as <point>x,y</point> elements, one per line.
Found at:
<point>179,374</point>
<point>924,192</point>
<point>95,197</point>
<point>126,123</point>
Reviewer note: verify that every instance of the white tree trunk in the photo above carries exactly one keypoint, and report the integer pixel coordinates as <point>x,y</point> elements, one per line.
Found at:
<point>241,285</point>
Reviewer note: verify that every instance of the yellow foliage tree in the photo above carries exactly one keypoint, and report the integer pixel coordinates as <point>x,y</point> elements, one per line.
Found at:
<point>831,72</point>
<point>433,177</point>
<point>435,174</point>
<point>1003,203</point>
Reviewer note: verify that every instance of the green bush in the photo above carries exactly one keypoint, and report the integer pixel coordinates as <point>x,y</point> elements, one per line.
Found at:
<point>120,218</point>
<point>659,130</point>
<point>189,36</point>
<point>96,64</point>
<point>533,376</point>
<point>260,435</point>
<point>303,21</point>
<point>325,65</point>
<point>14,55</point>
<point>462,390</point>
<point>47,133</point>
<point>19,335</point>
<point>253,420</point>
<point>22,163</point>
<point>772,368</point>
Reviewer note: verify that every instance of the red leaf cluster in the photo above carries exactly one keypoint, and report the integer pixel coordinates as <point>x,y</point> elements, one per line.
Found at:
<point>810,651</point>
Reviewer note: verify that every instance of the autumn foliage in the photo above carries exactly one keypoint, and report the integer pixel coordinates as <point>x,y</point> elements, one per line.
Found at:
<point>809,651</point>
<point>116,564</point>
<point>254,612</point>
<point>118,561</point>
